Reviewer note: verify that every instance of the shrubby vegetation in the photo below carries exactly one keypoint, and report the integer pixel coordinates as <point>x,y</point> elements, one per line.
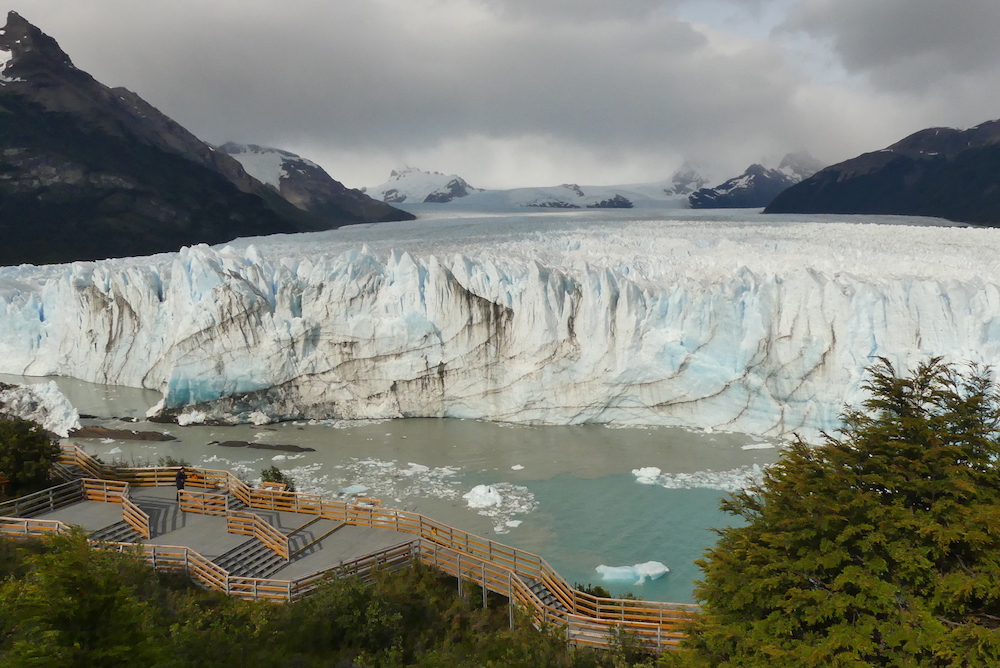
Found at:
<point>880,548</point>
<point>27,453</point>
<point>67,605</point>
<point>274,474</point>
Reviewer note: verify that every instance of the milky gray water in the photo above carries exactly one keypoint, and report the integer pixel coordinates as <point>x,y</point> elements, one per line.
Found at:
<point>569,493</point>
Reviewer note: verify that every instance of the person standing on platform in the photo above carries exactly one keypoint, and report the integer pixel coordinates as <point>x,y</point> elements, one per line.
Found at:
<point>179,482</point>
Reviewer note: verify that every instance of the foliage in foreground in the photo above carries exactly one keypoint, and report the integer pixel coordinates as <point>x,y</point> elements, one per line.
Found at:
<point>66,605</point>
<point>274,474</point>
<point>881,548</point>
<point>27,453</point>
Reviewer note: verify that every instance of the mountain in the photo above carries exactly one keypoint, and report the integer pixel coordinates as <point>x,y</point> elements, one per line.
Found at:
<point>413,185</point>
<point>686,180</point>
<point>941,172</point>
<point>307,186</point>
<point>90,172</point>
<point>757,186</point>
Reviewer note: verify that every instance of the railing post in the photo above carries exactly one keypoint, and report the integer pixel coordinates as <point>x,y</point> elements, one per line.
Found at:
<point>510,598</point>
<point>459,569</point>
<point>484,585</point>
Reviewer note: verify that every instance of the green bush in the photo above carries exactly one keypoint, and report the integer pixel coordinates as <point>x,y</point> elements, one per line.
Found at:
<point>274,474</point>
<point>27,453</point>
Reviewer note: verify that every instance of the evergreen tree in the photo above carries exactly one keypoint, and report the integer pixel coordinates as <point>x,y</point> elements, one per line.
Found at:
<point>879,548</point>
<point>27,453</point>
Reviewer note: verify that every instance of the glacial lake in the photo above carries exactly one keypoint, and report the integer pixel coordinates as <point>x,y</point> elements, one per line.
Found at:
<point>569,493</point>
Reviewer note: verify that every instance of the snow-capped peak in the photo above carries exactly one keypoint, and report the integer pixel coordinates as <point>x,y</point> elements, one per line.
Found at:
<point>266,164</point>
<point>409,184</point>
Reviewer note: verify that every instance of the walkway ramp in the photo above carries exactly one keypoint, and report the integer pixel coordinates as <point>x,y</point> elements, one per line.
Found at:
<point>284,545</point>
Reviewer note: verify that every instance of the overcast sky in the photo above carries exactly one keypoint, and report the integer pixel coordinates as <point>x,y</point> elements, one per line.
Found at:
<point>541,92</point>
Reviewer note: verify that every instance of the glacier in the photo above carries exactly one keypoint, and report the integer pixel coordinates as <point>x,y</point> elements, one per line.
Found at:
<point>732,321</point>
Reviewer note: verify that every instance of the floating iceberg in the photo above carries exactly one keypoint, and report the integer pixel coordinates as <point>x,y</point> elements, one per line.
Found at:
<point>764,328</point>
<point>635,575</point>
<point>483,496</point>
<point>648,475</point>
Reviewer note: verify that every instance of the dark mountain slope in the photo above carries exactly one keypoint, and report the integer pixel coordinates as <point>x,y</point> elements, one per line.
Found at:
<point>939,172</point>
<point>88,172</point>
<point>69,195</point>
<point>307,186</point>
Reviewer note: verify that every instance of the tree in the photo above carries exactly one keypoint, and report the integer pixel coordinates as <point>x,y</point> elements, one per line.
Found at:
<point>880,548</point>
<point>27,453</point>
<point>274,474</point>
<point>78,607</point>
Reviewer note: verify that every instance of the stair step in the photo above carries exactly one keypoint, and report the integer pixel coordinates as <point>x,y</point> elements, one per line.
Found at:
<point>539,589</point>
<point>250,559</point>
<point>120,532</point>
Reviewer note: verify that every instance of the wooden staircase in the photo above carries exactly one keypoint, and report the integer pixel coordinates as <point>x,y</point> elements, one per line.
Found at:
<point>120,532</point>
<point>251,559</point>
<point>545,595</point>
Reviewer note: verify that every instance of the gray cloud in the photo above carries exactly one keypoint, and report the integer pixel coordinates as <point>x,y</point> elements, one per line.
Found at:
<point>906,44</point>
<point>497,90</point>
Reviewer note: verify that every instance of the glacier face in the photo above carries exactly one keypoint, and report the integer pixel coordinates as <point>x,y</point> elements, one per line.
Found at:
<point>763,327</point>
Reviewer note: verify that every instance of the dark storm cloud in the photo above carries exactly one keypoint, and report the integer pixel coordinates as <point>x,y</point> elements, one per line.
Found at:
<point>906,44</point>
<point>497,90</point>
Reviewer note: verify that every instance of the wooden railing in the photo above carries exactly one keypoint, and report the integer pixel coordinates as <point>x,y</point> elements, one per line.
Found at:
<point>250,524</point>
<point>135,517</point>
<point>203,503</point>
<point>44,501</point>
<point>23,527</point>
<point>104,491</point>
<point>588,621</point>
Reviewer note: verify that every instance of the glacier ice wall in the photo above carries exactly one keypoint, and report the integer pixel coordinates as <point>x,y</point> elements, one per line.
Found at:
<point>764,329</point>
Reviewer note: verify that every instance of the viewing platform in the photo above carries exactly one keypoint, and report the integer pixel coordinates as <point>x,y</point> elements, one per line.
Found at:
<point>270,544</point>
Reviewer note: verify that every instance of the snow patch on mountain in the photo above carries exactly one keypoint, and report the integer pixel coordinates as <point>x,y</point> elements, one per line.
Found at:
<point>6,57</point>
<point>412,185</point>
<point>267,165</point>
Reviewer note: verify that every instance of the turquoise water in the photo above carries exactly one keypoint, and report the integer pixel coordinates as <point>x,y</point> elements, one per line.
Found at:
<point>614,521</point>
<point>572,489</point>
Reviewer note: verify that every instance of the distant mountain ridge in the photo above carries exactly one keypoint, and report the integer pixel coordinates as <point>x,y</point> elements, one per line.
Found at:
<point>411,185</point>
<point>307,185</point>
<point>757,186</point>
<point>90,172</point>
<point>940,172</point>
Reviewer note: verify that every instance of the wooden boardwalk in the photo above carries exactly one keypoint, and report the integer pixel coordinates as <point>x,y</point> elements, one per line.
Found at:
<point>279,546</point>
